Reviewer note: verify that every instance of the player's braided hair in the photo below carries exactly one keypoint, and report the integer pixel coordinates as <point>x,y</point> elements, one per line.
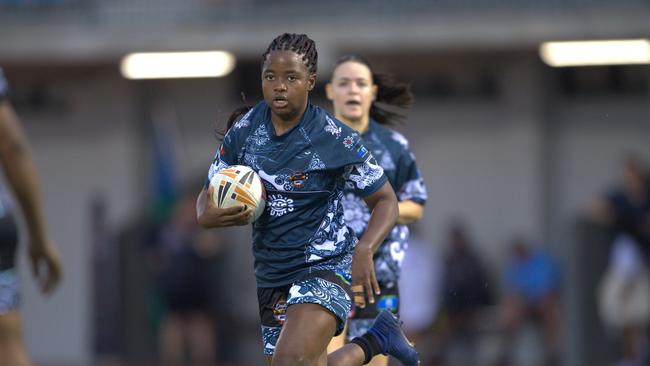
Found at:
<point>391,93</point>
<point>298,43</point>
<point>301,44</point>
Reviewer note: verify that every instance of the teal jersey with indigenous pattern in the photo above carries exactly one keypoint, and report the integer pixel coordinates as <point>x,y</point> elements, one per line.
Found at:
<point>304,172</point>
<point>391,149</point>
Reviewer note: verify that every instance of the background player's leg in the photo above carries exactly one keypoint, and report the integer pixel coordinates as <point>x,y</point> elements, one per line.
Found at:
<point>11,340</point>
<point>202,342</point>
<point>338,341</point>
<point>171,340</point>
<point>348,355</point>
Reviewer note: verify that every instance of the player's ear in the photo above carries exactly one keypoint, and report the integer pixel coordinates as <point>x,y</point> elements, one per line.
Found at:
<point>311,81</point>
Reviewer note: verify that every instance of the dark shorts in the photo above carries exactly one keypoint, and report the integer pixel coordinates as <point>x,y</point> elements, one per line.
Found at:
<point>328,289</point>
<point>8,240</point>
<point>9,298</point>
<point>360,320</point>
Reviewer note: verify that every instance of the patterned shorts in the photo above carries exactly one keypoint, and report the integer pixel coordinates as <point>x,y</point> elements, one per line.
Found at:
<point>9,298</point>
<point>360,320</point>
<point>328,289</point>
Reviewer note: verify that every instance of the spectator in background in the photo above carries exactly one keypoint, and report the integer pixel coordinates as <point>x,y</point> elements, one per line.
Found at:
<point>626,208</point>
<point>624,294</point>
<point>532,285</point>
<point>420,290</point>
<point>182,256</point>
<point>624,299</point>
<point>464,293</point>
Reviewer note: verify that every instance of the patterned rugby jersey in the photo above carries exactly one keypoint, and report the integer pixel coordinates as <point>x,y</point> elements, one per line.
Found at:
<point>391,150</point>
<point>304,172</point>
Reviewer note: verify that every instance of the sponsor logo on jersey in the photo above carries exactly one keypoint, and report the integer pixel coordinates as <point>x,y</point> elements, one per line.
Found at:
<point>280,311</point>
<point>298,179</point>
<point>362,152</point>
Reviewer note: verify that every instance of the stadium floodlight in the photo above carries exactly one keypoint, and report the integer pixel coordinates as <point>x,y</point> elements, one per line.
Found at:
<point>592,53</point>
<point>170,65</point>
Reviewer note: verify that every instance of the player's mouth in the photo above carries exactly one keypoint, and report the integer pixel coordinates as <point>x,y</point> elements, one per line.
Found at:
<point>280,102</point>
<point>353,103</point>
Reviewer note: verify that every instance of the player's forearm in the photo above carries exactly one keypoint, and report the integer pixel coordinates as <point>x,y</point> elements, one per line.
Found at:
<point>409,212</point>
<point>201,216</point>
<point>20,171</point>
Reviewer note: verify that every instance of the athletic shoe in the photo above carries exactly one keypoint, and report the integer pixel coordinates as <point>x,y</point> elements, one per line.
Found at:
<point>392,341</point>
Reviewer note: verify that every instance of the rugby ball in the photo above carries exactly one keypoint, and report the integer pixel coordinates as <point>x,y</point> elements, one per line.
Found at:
<point>239,185</point>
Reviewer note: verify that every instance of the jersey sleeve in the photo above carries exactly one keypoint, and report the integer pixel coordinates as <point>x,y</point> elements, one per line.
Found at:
<point>410,185</point>
<point>4,86</point>
<point>365,178</point>
<point>362,173</point>
<point>341,147</point>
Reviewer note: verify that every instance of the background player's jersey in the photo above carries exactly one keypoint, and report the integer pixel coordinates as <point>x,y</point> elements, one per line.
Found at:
<point>392,152</point>
<point>304,172</point>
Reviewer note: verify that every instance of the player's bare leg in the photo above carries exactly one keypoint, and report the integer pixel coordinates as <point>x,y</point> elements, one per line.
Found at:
<point>12,350</point>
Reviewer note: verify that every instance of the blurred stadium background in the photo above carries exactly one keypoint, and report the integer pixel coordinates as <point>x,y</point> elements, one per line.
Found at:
<point>506,143</point>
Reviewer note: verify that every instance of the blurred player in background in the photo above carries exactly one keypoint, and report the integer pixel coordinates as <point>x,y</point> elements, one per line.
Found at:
<point>355,91</point>
<point>21,175</point>
<point>304,253</point>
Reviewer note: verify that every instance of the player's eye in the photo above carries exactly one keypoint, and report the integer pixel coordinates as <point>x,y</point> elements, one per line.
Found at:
<point>292,78</point>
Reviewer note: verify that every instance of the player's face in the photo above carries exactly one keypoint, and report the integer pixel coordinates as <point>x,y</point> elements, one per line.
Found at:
<point>286,83</point>
<point>351,90</point>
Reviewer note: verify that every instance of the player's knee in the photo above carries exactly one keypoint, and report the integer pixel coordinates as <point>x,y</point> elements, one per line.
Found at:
<point>292,357</point>
<point>10,327</point>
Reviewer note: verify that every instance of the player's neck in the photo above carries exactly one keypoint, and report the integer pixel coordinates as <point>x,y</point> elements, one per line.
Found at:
<point>359,125</point>
<point>281,127</point>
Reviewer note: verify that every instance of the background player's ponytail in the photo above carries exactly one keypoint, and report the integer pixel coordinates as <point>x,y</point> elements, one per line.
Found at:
<point>393,98</point>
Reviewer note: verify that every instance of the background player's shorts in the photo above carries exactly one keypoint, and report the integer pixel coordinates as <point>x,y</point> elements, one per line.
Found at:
<point>361,320</point>
<point>9,298</point>
<point>328,289</point>
<point>8,238</point>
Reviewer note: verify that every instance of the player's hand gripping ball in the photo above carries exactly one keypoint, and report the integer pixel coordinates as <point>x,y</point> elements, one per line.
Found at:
<point>239,185</point>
